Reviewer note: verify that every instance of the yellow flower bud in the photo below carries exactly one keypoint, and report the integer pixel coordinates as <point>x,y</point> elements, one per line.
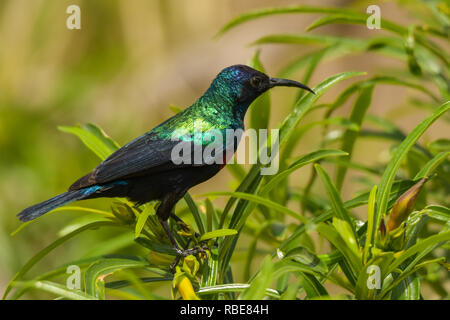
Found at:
<point>185,288</point>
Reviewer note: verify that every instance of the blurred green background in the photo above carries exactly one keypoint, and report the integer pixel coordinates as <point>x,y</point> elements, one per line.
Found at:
<point>128,63</point>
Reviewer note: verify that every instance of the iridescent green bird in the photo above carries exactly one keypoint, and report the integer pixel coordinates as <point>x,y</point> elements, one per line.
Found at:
<point>144,170</point>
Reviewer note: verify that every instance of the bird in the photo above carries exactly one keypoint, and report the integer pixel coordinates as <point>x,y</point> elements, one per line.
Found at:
<point>143,170</point>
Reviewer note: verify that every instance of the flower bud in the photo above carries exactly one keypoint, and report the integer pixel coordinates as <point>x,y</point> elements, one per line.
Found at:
<point>184,285</point>
<point>404,205</point>
<point>185,289</point>
<point>123,213</point>
<point>190,265</point>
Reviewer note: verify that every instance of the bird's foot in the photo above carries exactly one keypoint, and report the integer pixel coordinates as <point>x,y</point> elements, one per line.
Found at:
<point>197,250</point>
<point>184,226</point>
<point>192,251</point>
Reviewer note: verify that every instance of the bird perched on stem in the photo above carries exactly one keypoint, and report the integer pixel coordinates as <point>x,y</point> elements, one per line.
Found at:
<point>143,170</point>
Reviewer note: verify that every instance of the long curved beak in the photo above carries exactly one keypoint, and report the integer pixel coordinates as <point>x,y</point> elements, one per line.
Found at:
<point>277,82</point>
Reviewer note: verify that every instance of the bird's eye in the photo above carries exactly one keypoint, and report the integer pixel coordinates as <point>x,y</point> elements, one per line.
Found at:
<point>255,82</point>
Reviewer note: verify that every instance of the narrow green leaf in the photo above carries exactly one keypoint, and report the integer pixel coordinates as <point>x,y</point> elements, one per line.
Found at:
<point>55,288</point>
<point>234,287</point>
<point>291,291</point>
<point>407,289</point>
<point>410,49</point>
<point>355,18</point>
<point>333,236</point>
<point>310,39</point>
<point>142,219</point>
<point>360,107</point>
<point>303,255</point>
<point>347,234</point>
<point>287,266</point>
<point>432,165</point>
<point>154,246</point>
<point>420,246</point>
<point>311,285</point>
<point>125,283</point>
<point>251,251</point>
<point>256,291</point>
<point>104,267</point>
<point>336,18</point>
<point>370,224</point>
<point>297,164</point>
<point>195,212</point>
<point>94,138</point>
<point>262,201</point>
<point>336,202</point>
<point>440,145</point>
<point>217,233</point>
<point>211,216</point>
<point>437,212</point>
<point>213,268</point>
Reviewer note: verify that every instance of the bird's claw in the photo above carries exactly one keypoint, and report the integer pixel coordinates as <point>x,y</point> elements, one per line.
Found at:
<point>192,251</point>
<point>197,250</point>
<point>184,226</point>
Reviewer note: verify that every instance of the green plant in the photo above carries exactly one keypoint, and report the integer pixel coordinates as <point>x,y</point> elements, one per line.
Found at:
<point>406,252</point>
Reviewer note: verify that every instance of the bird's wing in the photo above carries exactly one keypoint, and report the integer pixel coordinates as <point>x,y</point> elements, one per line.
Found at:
<point>144,155</point>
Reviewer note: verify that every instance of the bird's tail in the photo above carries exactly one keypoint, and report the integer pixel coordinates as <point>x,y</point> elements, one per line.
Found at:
<point>39,209</point>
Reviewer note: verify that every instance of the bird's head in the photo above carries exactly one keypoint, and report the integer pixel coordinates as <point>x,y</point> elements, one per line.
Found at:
<point>241,85</point>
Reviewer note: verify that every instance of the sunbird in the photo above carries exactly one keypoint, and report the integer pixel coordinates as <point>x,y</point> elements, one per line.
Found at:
<point>143,170</point>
